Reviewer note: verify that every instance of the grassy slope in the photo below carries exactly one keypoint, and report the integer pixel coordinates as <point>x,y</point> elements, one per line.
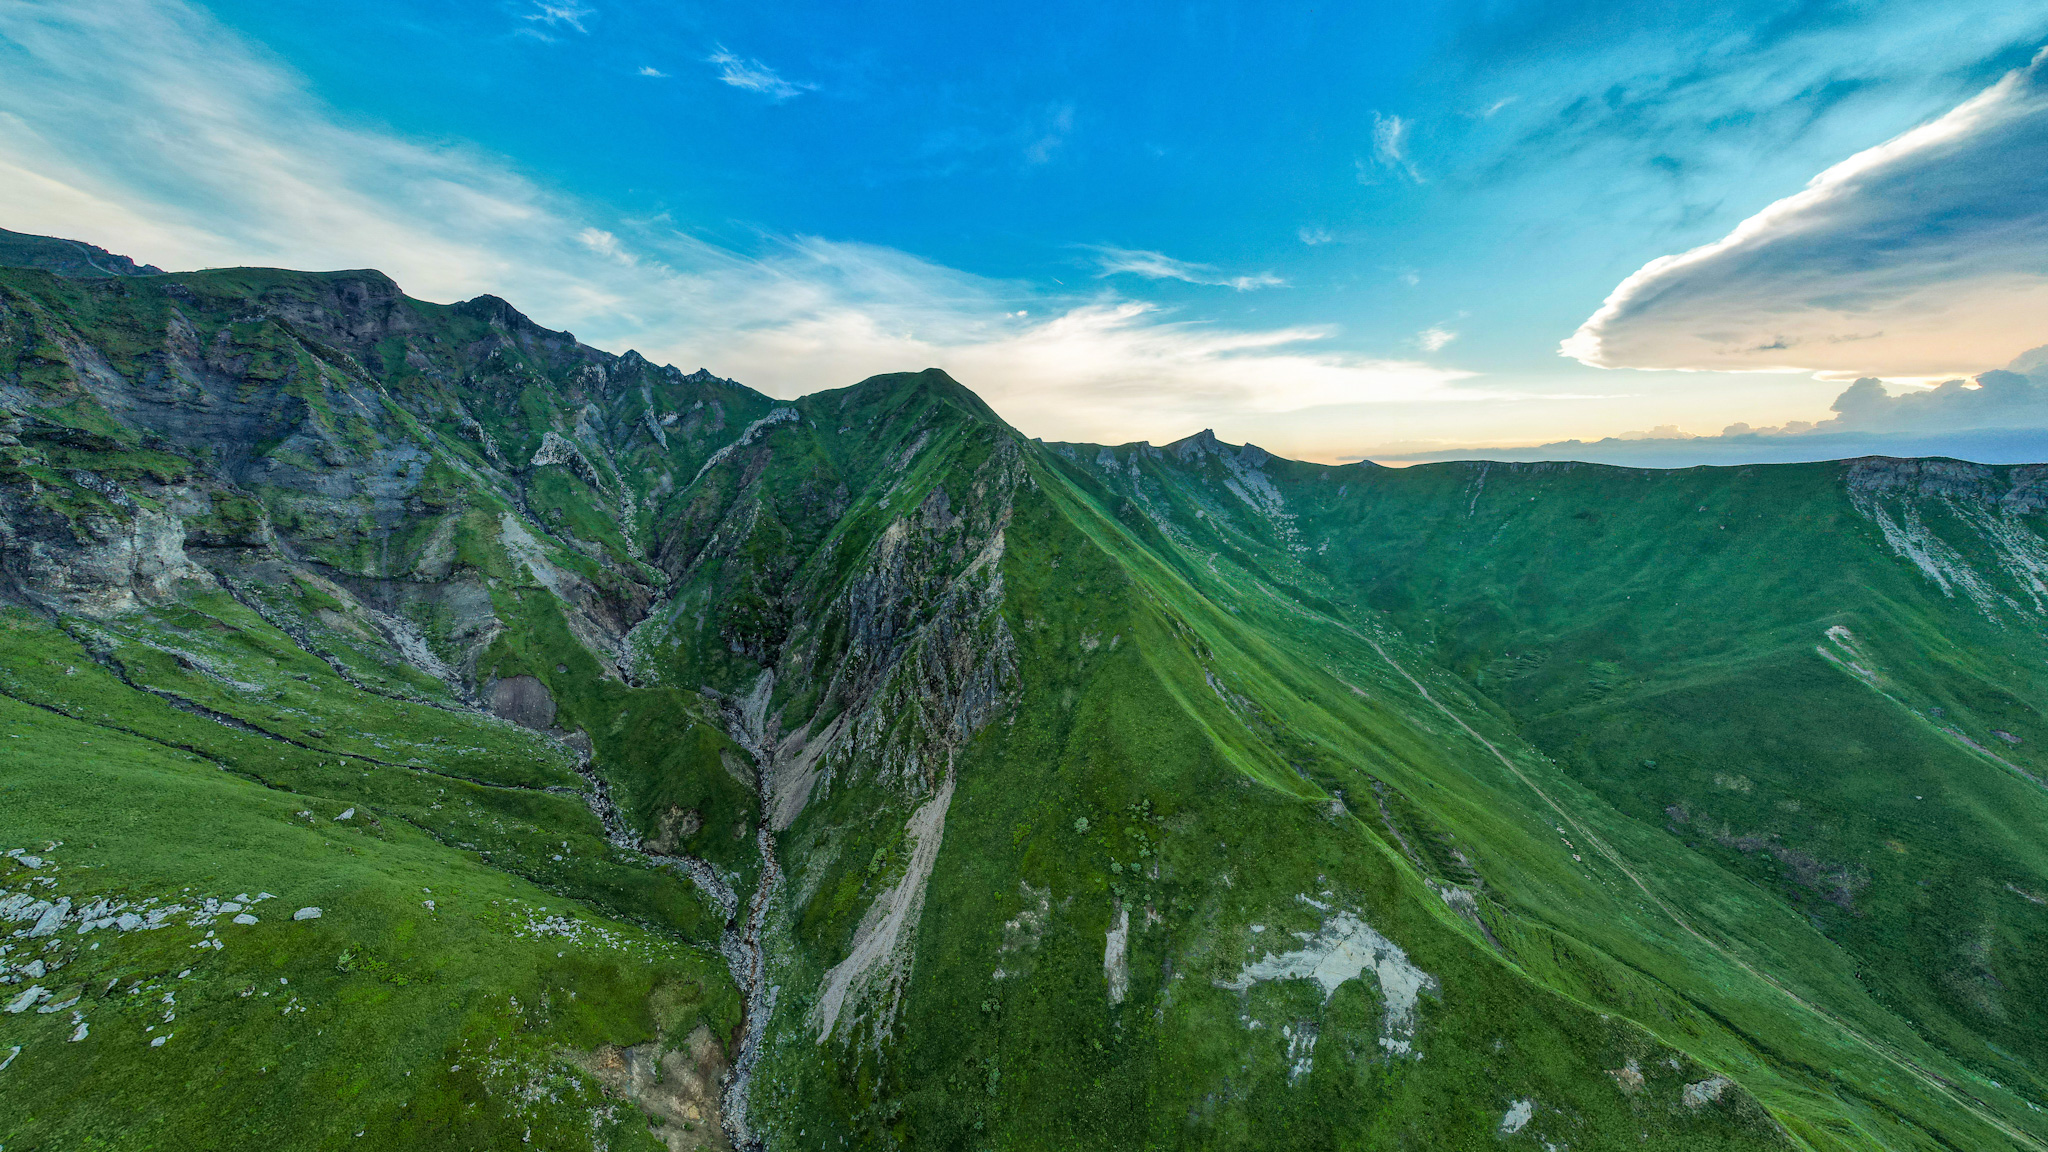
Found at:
<point>430,1028</point>
<point>1846,1086</point>
<point>1130,739</point>
<point>1671,665</point>
<point>1119,629</point>
<point>1586,703</point>
<point>388,996</point>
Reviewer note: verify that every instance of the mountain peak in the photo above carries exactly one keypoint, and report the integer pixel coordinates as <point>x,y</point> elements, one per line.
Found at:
<point>1201,443</point>
<point>935,382</point>
<point>497,310</point>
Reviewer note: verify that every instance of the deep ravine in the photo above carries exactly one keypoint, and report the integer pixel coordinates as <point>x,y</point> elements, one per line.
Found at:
<point>739,943</point>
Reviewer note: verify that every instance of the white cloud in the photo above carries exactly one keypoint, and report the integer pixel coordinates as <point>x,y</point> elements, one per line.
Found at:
<point>605,244</point>
<point>1159,266</point>
<point>1113,371</point>
<point>1390,149</point>
<point>147,127</point>
<point>1660,432</point>
<point>555,13</point>
<point>1919,258</point>
<point>650,70</point>
<point>754,76</point>
<point>1314,236</point>
<point>1995,399</point>
<point>1434,337</point>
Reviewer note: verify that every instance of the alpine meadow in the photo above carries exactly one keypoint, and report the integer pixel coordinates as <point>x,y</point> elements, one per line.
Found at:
<point>428,731</point>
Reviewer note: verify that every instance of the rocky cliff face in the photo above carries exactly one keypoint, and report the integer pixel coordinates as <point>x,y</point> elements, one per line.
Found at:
<point>171,427</point>
<point>1034,795</point>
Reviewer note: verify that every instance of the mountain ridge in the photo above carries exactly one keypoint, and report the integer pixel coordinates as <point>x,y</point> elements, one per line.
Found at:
<point>970,790</point>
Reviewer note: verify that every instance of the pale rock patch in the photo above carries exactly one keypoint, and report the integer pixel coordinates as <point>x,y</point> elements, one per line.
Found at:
<point>1704,1092</point>
<point>1518,1116</point>
<point>1345,947</point>
<point>1116,969</point>
<point>878,962</point>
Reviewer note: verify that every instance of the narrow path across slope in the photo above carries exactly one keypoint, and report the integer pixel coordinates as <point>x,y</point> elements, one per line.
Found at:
<point>1905,1063</point>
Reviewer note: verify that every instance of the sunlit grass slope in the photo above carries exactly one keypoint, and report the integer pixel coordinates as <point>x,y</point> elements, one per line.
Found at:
<point>1801,803</point>
<point>425,1006</point>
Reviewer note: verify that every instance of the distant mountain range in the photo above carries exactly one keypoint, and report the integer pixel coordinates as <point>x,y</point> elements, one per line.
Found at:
<point>422,729</point>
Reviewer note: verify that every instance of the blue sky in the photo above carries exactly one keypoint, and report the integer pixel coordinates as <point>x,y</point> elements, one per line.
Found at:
<point>1336,230</point>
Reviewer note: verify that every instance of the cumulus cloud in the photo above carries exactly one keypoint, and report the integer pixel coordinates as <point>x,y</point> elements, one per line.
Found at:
<point>147,127</point>
<point>1997,417</point>
<point>754,76</point>
<point>1159,266</point>
<point>1920,258</point>
<point>1995,399</point>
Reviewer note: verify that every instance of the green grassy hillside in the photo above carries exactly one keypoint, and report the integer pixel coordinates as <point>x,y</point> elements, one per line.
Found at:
<point>675,767</point>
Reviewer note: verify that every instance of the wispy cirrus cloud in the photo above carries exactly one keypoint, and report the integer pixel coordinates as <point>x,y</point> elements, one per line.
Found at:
<point>550,14</point>
<point>1160,266</point>
<point>1918,258</point>
<point>606,245</point>
<point>107,105</point>
<point>754,76</point>
<point>1046,137</point>
<point>651,72</point>
<point>1390,155</point>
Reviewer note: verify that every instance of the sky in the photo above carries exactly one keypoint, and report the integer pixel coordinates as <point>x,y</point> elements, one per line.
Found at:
<point>1387,231</point>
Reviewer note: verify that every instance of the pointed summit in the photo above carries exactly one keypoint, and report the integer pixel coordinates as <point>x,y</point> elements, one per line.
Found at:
<point>1201,443</point>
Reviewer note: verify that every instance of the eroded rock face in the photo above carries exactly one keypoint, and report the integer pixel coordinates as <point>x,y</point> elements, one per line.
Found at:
<point>1962,526</point>
<point>322,426</point>
<point>524,701</point>
<point>99,563</point>
<point>2019,489</point>
<point>677,1089</point>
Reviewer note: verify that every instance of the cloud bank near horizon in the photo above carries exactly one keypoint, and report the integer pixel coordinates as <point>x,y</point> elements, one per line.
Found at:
<point>147,127</point>
<point>1919,258</point>
<point>1997,417</point>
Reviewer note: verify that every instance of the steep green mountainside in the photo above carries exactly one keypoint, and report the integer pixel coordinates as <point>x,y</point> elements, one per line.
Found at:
<point>68,257</point>
<point>674,767</point>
